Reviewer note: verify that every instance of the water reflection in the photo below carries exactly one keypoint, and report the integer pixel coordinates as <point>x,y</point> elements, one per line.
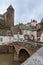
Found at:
<point>8,59</point>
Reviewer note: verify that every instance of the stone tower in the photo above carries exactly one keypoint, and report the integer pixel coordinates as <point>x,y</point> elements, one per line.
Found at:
<point>10,16</point>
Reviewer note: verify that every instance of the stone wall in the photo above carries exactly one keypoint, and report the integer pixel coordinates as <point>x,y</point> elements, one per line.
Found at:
<point>3,48</point>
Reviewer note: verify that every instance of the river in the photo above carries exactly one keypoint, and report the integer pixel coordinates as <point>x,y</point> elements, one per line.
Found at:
<point>8,59</point>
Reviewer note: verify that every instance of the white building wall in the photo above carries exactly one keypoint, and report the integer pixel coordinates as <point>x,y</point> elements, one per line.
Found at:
<point>21,37</point>
<point>6,39</point>
<point>33,23</point>
<point>35,35</point>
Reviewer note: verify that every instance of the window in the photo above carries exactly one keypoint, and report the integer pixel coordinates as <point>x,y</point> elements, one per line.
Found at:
<point>1,39</point>
<point>18,36</point>
<point>26,37</point>
<point>32,37</point>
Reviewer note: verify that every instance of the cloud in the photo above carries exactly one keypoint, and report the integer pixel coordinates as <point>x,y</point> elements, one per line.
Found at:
<point>25,10</point>
<point>28,9</point>
<point>3,5</point>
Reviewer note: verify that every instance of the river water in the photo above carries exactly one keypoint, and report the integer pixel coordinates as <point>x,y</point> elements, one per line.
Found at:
<point>8,59</point>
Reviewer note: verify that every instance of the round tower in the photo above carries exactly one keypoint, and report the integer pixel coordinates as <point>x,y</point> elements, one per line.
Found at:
<point>10,16</point>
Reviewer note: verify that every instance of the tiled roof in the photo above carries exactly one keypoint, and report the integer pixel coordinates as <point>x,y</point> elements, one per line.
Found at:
<point>24,27</point>
<point>5,33</point>
<point>10,7</point>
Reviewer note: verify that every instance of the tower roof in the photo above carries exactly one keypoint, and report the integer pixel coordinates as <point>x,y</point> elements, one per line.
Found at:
<point>10,7</point>
<point>33,20</point>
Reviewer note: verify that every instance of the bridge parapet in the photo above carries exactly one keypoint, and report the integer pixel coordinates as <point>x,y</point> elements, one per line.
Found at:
<point>32,45</point>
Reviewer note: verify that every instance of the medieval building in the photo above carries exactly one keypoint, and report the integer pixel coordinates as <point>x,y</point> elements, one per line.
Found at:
<point>8,17</point>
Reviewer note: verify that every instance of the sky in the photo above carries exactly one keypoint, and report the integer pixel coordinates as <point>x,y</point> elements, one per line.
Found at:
<point>25,10</point>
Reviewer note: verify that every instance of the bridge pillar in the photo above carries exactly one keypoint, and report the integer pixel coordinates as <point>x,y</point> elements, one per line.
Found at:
<point>16,56</point>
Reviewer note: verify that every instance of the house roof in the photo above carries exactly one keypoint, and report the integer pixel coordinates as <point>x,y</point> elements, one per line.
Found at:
<point>17,29</point>
<point>10,7</point>
<point>5,32</point>
<point>24,27</point>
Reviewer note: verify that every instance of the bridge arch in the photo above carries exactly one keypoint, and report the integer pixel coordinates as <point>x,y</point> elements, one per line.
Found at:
<point>28,50</point>
<point>23,54</point>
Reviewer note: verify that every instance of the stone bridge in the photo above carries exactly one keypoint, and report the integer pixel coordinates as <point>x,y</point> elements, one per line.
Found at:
<point>24,50</point>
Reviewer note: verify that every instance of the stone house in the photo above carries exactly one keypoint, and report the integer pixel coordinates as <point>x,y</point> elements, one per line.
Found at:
<point>6,37</point>
<point>24,32</point>
<point>30,32</point>
<point>17,33</point>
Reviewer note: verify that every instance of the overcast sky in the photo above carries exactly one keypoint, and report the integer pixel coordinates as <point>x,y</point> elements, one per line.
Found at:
<point>25,10</point>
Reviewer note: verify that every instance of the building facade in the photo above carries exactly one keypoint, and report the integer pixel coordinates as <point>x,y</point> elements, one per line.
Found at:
<point>8,17</point>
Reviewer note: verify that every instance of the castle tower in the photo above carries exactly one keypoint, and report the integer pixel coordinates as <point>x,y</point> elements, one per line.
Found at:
<point>10,16</point>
